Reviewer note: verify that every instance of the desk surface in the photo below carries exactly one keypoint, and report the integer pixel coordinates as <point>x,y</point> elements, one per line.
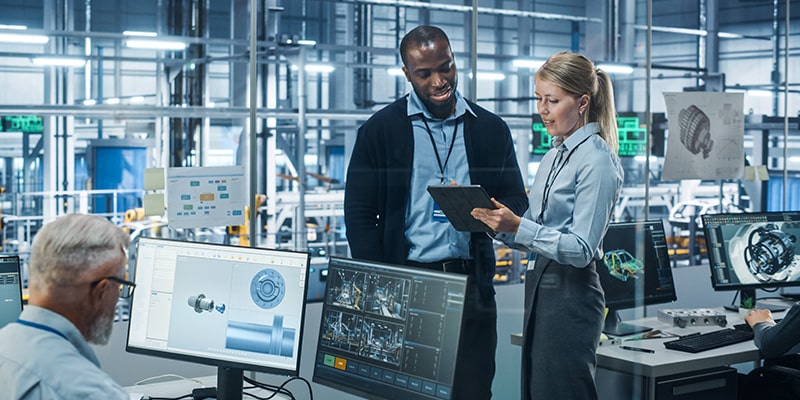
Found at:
<point>666,361</point>
<point>181,387</point>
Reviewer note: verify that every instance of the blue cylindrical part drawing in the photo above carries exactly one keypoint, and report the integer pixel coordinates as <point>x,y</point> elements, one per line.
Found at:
<point>258,338</point>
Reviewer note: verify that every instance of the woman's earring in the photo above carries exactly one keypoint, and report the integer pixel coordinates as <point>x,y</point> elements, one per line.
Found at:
<point>580,113</point>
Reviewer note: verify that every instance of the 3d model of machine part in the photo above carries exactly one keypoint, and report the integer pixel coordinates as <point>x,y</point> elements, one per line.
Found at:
<point>267,288</point>
<point>696,130</point>
<point>769,251</point>
<point>247,336</point>
<point>201,303</point>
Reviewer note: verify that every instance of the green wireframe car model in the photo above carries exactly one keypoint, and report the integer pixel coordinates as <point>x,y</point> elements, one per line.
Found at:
<point>622,265</point>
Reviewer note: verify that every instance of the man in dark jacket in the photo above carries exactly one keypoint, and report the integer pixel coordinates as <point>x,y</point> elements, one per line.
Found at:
<point>434,136</point>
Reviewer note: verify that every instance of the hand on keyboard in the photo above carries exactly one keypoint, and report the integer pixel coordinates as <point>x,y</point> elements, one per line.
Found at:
<point>747,327</point>
<point>710,340</point>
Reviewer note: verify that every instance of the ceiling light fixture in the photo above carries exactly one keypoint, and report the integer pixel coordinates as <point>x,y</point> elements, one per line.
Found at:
<point>490,76</point>
<point>21,38</point>
<point>616,68</point>
<point>527,63</point>
<point>396,71</point>
<point>322,68</point>
<point>13,27</point>
<point>688,31</point>
<point>139,33</point>
<point>155,44</point>
<point>59,61</point>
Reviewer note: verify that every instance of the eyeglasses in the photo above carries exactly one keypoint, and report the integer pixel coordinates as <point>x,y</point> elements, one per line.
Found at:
<point>125,287</point>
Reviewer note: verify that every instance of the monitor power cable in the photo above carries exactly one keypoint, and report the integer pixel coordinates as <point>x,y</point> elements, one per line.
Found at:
<point>278,389</point>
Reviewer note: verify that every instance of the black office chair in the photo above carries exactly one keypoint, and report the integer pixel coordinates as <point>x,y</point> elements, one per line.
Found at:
<point>778,379</point>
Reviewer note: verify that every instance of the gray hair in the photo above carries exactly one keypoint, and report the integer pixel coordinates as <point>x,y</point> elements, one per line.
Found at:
<point>71,246</point>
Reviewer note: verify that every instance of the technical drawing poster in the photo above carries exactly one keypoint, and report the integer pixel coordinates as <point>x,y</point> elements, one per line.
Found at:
<point>206,196</point>
<point>706,136</point>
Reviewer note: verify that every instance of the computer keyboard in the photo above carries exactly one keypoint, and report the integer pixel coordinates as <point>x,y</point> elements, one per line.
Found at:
<point>710,340</point>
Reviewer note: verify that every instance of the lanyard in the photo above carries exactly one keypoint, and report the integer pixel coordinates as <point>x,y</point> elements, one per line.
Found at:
<point>442,167</point>
<point>548,184</point>
<point>42,327</point>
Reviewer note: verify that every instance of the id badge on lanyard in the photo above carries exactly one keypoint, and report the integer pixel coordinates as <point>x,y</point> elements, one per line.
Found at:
<point>438,214</point>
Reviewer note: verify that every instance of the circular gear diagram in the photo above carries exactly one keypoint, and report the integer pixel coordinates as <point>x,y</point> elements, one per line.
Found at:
<point>267,288</point>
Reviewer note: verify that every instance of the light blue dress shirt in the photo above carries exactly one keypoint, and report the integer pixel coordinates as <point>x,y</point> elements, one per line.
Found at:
<point>435,240</point>
<point>572,200</point>
<point>50,360</point>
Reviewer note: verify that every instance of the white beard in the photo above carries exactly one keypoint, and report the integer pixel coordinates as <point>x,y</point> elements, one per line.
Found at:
<point>100,331</point>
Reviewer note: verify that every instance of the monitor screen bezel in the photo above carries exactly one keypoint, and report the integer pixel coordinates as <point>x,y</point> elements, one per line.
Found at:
<point>400,269</point>
<point>18,271</point>
<point>717,286</point>
<point>647,298</point>
<point>219,362</point>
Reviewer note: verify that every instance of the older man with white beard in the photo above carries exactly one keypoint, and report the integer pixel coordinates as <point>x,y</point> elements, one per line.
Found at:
<point>77,274</point>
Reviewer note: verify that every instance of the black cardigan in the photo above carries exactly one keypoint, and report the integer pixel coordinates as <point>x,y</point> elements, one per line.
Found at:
<point>379,180</point>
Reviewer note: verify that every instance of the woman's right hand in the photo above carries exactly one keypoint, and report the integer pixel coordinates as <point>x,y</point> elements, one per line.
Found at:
<point>501,219</point>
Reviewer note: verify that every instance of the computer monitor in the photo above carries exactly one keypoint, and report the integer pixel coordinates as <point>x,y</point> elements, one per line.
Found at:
<point>237,308</point>
<point>389,332</point>
<point>635,271</point>
<point>632,130</point>
<point>749,251</point>
<point>10,289</point>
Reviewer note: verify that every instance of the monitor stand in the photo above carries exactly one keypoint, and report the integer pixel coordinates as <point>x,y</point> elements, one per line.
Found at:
<point>615,327</point>
<point>229,383</point>
<point>747,300</point>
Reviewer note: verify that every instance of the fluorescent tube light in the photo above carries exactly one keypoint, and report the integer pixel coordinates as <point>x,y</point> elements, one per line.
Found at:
<point>616,68</point>
<point>139,33</point>
<point>728,35</point>
<point>527,63</point>
<point>89,102</point>
<point>59,61</point>
<point>305,42</point>
<point>20,38</point>
<point>137,100</point>
<point>112,100</point>
<point>321,68</point>
<point>13,27</point>
<point>395,71</point>
<point>491,76</point>
<point>155,44</point>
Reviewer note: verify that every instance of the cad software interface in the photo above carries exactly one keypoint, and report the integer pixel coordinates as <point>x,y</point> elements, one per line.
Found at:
<point>753,249</point>
<point>10,290</point>
<point>636,268</point>
<point>218,303</point>
<point>389,331</point>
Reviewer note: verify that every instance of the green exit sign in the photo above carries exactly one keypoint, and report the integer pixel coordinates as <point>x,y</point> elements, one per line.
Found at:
<point>21,123</point>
